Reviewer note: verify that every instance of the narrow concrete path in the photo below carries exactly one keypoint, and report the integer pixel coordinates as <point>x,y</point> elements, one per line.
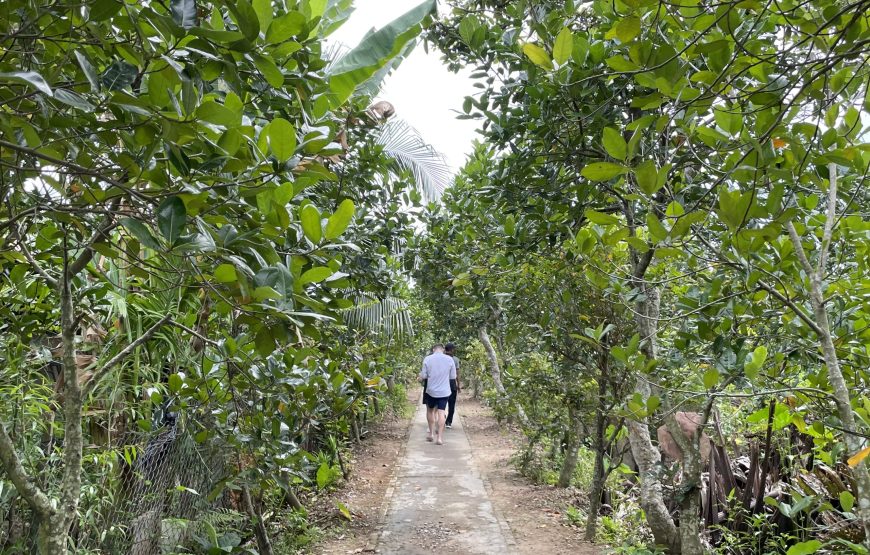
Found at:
<point>439,501</point>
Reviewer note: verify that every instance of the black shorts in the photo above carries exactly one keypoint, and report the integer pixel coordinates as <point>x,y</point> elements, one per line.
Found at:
<point>437,402</point>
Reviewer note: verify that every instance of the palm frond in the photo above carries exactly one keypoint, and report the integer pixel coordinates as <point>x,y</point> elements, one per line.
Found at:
<point>389,316</point>
<point>409,151</point>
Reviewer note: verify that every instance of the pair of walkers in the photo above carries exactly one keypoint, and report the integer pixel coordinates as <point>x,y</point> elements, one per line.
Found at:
<point>440,377</point>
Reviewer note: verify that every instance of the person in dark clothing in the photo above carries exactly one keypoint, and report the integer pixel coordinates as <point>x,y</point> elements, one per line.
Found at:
<point>455,389</point>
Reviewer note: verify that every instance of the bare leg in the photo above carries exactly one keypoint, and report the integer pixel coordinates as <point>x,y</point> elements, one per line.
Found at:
<point>431,420</point>
<point>441,418</point>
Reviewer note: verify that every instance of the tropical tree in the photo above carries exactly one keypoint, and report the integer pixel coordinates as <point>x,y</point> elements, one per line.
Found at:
<point>176,226</point>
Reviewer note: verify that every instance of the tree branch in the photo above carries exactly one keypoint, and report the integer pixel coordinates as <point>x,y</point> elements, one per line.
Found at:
<point>799,251</point>
<point>794,307</point>
<point>34,264</point>
<point>34,496</point>
<point>87,254</point>
<point>829,222</point>
<point>193,333</point>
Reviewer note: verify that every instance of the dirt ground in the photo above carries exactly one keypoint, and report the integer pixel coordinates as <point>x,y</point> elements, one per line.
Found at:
<point>534,513</point>
<point>372,466</point>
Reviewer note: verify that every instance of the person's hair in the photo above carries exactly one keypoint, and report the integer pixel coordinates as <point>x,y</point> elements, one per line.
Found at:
<point>449,348</point>
<point>437,346</point>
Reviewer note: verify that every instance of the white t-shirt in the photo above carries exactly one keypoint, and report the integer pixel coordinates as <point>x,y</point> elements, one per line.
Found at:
<point>439,369</point>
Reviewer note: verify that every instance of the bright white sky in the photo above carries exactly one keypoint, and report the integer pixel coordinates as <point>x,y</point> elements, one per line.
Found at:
<point>423,91</point>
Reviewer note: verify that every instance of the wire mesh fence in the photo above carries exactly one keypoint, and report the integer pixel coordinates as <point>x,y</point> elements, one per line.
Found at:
<point>147,494</point>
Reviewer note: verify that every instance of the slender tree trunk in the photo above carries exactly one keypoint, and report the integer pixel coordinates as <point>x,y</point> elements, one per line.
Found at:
<point>495,372</point>
<point>842,397</point>
<point>689,495</point>
<point>645,454</point>
<point>598,475</point>
<point>598,478</point>
<point>264,545</point>
<point>572,447</point>
<point>54,529</point>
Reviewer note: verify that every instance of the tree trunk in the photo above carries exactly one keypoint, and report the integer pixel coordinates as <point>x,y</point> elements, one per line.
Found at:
<point>598,476</point>
<point>495,372</point>
<point>572,447</point>
<point>689,496</point>
<point>264,545</point>
<point>842,397</point>
<point>645,454</point>
<point>596,490</point>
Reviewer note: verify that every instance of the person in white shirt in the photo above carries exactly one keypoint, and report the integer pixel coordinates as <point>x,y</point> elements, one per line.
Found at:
<point>438,370</point>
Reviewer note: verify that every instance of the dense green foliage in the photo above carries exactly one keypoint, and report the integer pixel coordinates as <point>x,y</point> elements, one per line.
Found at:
<point>195,202</point>
<point>670,202</point>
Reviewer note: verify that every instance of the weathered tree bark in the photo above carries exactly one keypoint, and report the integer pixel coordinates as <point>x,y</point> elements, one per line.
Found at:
<point>842,397</point>
<point>495,372</point>
<point>645,454</point>
<point>572,447</point>
<point>689,495</point>
<point>264,545</point>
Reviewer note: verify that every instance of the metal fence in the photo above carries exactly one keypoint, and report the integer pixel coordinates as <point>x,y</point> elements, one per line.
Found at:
<point>148,494</point>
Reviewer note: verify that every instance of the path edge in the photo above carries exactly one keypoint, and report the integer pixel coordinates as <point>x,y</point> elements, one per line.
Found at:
<point>487,486</point>
<point>374,538</point>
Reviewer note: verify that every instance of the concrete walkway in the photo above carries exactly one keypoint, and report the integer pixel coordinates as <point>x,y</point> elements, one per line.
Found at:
<point>439,501</point>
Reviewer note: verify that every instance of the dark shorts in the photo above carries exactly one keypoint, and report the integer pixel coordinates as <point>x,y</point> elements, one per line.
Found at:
<point>437,402</point>
<point>426,398</point>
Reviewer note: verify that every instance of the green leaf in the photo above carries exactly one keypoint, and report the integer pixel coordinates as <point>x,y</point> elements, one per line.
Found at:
<point>626,30</point>
<point>171,218</point>
<point>309,216</point>
<point>564,46</point>
<point>218,114</point>
<point>31,78</point>
<point>647,175</point>
<point>225,273</point>
<point>276,277</point>
<point>804,548</point>
<point>324,475</point>
<point>140,232</point>
<point>316,275</point>
<point>73,99</point>
<point>88,70</point>
<point>118,76</point>
<point>175,383</point>
<point>537,55</point>
<point>376,50</point>
<point>728,120</point>
<point>282,138</point>
<point>619,63</point>
<point>270,71</point>
<point>264,342</point>
<point>343,510</point>
<point>339,220</point>
<point>711,378</point>
<point>614,144</point>
<point>285,26</point>
<point>102,10</point>
<point>601,219</point>
<point>847,501</point>
<point>183,13</point>
<point>264,11</point>
<point>602,171</point>
<point>246,18</point>
<point>656,230</point>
